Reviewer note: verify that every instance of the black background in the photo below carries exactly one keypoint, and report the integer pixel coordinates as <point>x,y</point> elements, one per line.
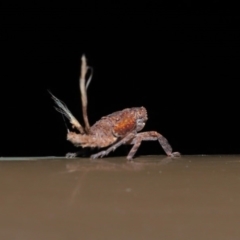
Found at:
<point>179,60</point>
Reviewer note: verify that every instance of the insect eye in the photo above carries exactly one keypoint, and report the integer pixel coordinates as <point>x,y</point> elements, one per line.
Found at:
<point>140,121</point>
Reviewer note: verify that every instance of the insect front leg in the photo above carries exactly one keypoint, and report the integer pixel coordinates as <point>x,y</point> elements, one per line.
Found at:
<point>114,146</point>
<point>151,136</point>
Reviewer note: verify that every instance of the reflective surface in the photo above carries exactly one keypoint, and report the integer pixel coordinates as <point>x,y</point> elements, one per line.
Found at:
<point>192,197</point>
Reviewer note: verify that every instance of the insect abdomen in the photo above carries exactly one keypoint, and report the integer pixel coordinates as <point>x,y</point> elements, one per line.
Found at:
<point>92,140</point>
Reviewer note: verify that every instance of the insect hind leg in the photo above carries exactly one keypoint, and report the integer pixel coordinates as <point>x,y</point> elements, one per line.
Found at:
<point>85,152</point>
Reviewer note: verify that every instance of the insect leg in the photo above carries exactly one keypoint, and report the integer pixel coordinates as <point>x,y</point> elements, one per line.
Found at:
<point>114,146</point>
<point>151,136</point>
<point>83,153</point>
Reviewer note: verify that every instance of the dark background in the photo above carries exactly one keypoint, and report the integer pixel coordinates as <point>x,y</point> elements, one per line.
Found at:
<point>180,61</point>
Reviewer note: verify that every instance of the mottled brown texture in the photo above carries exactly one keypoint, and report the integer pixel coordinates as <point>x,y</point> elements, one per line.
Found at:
<point>111,131</point>
<point>117,129</point>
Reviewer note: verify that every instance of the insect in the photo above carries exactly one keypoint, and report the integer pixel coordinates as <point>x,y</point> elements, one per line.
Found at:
<point>112,131</point>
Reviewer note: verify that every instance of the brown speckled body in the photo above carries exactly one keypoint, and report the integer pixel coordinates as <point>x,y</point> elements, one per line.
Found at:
<point>119,128</point>
<point>110,128</point>
<point>111,131</point>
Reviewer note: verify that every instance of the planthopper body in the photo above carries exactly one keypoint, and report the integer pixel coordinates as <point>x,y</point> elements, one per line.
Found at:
<point>112,131</point>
